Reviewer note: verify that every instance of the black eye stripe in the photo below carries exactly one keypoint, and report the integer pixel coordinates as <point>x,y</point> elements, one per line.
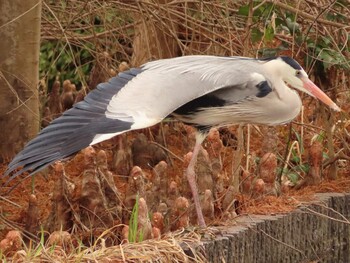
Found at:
<point>291,62</point>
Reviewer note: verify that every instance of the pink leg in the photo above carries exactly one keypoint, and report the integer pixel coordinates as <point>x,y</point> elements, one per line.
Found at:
<point>191,177</point>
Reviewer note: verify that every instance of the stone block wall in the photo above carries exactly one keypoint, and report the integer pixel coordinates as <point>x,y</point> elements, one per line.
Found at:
<point>319,231</point>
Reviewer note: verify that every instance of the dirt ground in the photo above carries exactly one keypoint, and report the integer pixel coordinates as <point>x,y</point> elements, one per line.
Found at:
<point>14,205</point>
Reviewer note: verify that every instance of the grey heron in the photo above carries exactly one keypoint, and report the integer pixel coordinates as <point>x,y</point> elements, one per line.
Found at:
<point>202,91</point>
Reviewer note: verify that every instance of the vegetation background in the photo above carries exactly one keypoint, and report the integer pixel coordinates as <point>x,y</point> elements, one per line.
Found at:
<point>87,42</point>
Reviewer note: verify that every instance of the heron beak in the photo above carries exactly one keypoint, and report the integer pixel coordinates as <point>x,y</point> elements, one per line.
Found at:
<point>319,94</point>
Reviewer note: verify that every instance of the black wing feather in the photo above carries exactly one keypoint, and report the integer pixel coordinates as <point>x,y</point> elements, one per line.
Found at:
<point>75,129</point>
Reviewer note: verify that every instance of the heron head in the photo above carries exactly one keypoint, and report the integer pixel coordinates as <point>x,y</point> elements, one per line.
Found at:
<point>295,76</point>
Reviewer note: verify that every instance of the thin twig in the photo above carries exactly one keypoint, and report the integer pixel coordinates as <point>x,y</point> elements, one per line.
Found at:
<point>283,243</point>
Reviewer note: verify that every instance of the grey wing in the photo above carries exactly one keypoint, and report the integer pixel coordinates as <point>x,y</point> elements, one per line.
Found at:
<point>166,85</point>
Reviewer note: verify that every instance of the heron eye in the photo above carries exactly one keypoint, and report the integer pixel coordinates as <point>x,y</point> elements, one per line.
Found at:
<point>298,73</point>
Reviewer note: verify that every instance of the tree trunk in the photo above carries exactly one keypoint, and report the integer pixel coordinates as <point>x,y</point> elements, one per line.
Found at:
<point>19,73</point>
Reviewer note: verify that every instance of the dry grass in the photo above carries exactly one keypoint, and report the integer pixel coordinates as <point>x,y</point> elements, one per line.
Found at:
<point>170,248</point>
